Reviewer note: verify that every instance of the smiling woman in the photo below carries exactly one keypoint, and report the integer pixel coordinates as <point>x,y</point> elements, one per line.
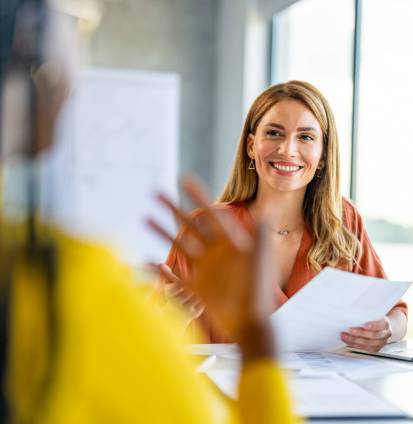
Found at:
<point>287,166</point>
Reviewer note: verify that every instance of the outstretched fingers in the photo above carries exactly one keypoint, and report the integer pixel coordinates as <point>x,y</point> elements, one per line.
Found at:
<point>180,216</point>
<point>191,252</point>
<point>216,226</point>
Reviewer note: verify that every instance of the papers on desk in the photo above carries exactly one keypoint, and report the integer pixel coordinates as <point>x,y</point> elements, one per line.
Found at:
<point>345,364</point>
<point>322,396</point>
<point>312,363</point>
<point>331,303</point>
<point>309,324</point>
<point>305,327</point>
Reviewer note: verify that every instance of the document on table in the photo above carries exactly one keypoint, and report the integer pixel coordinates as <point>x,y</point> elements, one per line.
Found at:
<point>329,304</point>
<point>343,362</point>
<point>323,396</point>
<point>355,367</point>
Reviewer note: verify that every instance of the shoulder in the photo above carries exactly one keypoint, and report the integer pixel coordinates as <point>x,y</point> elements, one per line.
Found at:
<point>97,289</point>
<point>100,267</point>
<point>368,262</point>
<point>351,216</point>
<point>232,207</point>
<point>238,209</point>
<point>349,208</point>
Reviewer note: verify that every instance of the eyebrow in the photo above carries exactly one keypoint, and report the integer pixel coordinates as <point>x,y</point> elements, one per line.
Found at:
<point>274,125</point>
<point>279,126</point>
<point>307,129</point>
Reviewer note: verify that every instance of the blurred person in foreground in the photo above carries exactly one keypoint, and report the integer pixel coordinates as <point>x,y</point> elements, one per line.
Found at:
<point>80,342</point>
<point>288,160</point>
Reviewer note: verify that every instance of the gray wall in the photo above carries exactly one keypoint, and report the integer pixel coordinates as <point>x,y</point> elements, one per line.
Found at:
<point>168,35</point>
<point>218,48</point>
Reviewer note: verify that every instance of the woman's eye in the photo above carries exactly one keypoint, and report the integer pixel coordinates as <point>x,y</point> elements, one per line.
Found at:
<point>273,133</point>
<point>307,137</point>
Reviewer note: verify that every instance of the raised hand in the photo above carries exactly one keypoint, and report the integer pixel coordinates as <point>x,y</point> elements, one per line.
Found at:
<point>232,270</point>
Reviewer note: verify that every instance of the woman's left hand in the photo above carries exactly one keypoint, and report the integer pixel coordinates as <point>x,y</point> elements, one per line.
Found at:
<point>371,337</point>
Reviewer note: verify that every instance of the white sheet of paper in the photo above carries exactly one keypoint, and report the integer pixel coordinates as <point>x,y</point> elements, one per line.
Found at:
<point>329,304</point>
<point>319,396</point>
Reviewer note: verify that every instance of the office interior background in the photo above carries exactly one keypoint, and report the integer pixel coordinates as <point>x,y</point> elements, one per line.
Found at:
<point>358,52</point>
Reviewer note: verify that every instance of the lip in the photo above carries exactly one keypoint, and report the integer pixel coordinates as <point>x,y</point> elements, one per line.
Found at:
<point>284,163</point>
<point>284,172</point>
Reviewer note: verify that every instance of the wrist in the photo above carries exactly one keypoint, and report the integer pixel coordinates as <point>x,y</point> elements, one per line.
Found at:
<point>257,341</point>
<point>398,325</point>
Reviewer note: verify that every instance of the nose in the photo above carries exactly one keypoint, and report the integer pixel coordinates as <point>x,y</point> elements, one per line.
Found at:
<point>288,146</point>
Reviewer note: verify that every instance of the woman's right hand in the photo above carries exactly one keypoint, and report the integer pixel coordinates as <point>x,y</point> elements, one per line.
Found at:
<point>174,290</point>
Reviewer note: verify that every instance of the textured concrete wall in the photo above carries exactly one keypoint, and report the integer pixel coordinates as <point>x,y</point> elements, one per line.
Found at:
<point>169,35</point>
<point>211,45</point>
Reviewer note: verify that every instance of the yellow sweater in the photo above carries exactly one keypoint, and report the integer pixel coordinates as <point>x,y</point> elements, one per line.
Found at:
<point>117,360</point>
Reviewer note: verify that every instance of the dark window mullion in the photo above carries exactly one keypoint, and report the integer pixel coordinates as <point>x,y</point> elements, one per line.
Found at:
<point>356,93</point>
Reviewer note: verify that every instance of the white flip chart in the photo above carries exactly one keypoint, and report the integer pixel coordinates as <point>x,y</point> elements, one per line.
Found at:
<point>118,144</point>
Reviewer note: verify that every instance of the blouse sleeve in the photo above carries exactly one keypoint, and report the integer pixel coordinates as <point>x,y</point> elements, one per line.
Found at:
<point>368,262</point>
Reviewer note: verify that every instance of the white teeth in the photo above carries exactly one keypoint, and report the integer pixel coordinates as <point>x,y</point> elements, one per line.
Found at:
<point>285,168</point>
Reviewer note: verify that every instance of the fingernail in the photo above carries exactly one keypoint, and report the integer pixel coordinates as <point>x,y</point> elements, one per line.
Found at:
<point>353,331</point>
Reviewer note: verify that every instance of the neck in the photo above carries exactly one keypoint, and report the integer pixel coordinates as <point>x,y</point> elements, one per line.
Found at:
<point>286,208</point>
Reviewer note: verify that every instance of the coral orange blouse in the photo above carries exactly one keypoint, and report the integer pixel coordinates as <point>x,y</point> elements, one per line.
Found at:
<point>368,263</point>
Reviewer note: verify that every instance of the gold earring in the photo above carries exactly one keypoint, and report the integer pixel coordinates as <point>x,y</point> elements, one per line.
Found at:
<point>252,165</point>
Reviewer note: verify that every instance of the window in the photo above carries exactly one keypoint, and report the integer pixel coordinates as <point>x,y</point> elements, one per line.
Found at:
<point>385,140</point>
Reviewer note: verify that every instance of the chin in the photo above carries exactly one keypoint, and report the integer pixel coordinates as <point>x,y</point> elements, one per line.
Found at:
<point>285,188</point>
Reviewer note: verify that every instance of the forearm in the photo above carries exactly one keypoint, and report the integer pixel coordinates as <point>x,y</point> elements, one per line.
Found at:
<point>263,395</point>
<point>398,324</point>
<point>257,342</point>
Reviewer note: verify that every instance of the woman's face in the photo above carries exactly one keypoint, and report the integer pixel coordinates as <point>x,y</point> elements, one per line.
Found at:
<point>287,147</point>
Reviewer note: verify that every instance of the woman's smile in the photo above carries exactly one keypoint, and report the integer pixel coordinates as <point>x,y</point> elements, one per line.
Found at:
<point>286,169</point>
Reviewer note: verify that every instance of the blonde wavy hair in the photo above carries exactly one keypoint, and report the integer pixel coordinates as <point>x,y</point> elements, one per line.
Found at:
<point>334,244</point>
